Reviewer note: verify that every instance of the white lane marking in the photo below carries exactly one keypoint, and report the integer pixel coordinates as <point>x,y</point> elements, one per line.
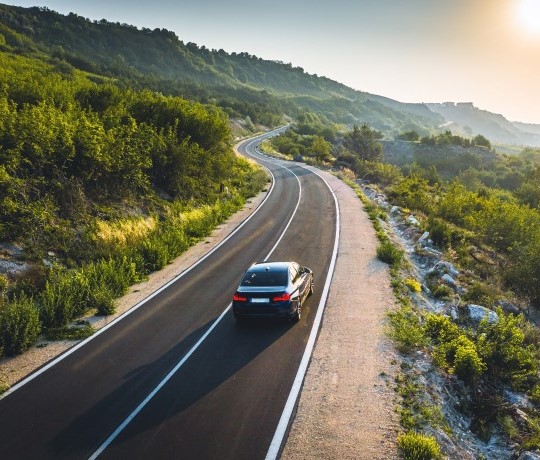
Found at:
<point>141,406</point>
<point>285,418</point>
<point>290,220</point>
<point>146,400</point>
<point>141,303</point>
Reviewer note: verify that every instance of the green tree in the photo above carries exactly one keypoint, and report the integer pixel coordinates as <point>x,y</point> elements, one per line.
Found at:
<point>321,149</point>
<point>362,141</point>
<point>411,136</point>
<point>481,141</point>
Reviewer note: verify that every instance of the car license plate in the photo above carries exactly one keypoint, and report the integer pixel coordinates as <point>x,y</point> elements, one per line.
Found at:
<point>263,300</point>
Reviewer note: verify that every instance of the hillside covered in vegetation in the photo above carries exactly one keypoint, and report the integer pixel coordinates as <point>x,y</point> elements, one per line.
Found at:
<point>100,185</point>
<point>242,84</point>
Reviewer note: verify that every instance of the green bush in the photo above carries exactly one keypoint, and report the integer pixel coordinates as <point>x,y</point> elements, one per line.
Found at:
<point>502,346</point>
<point>405,329</point>
<point>453,349</point>
<point>57,301</point>
<point>19,325</point>
<point>442,291</point>
<point>103,302</point>
<point>155,255</point>
<point>468,366</point>
<point>416,446</point>
<point>479,293</point>
<point>441,329</point>
<point>390,254</point>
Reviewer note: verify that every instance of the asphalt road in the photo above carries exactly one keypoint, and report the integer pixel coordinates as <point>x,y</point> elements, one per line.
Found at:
<point>225,400</point>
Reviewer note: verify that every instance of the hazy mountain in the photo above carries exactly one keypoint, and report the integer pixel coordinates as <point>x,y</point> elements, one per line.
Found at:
<point>470,120</point>
<point>242,84</point>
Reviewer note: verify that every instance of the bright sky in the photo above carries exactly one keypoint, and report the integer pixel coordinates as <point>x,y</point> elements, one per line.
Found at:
<point>481,51</point>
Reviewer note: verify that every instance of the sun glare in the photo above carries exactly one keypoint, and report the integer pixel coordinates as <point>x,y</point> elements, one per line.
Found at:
<point>528,15</point>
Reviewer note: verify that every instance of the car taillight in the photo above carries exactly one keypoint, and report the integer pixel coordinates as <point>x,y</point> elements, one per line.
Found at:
<point>281,298</point>
<point>239,298</point>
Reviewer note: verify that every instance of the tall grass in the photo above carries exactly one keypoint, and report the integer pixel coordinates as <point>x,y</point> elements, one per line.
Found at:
<point>19,325</point>
<point>134,248</point>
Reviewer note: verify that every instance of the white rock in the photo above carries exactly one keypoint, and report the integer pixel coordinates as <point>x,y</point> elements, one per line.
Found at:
<point>412,220</point>
<point>477,313</point>
<point>394,210</point>
<point>423,238</point>
<point>529,456</point>
<point>446,267</point>
<point>447,279</point>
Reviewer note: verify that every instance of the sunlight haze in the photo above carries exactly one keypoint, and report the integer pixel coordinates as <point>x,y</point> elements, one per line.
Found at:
<point>481,51</point>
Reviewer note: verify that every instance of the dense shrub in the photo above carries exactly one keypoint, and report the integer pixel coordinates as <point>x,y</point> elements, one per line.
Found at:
<point>499,350</point>
<point>405,328</point>
<point>19,325</point>
<point>416,446</point>
<point>388,252</point>
<point>502,346</point>
<point>460,357</point>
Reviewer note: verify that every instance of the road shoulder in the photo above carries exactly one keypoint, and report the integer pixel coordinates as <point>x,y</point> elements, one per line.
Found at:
<point>346,407</point>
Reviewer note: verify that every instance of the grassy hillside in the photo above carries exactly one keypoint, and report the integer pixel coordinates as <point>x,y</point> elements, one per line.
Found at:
<point>243,85</point>
<point>99,186</point>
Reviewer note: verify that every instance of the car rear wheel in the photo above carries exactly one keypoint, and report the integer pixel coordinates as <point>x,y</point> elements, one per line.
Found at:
<point>298,313</point>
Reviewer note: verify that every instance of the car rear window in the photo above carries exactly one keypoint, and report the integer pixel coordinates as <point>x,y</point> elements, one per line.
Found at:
<point>265,279</point>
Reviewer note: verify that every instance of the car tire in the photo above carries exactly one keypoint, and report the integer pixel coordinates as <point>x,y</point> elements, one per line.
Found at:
<point>298,312</point>
<point>311,290</point>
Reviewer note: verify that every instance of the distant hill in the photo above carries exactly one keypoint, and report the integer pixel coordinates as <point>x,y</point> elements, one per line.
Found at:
<point>470,120</point>
<point>242,84</point>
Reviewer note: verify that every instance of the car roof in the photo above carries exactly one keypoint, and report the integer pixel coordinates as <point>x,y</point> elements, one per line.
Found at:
<point>270,266</point>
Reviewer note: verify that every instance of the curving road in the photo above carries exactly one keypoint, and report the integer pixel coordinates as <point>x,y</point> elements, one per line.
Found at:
<point>177,377</point>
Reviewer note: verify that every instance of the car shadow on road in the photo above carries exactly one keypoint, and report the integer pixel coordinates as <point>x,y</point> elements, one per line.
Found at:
<point>226,351</point>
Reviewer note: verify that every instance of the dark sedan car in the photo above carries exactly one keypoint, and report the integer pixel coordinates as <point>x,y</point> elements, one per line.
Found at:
<point>273,289</point>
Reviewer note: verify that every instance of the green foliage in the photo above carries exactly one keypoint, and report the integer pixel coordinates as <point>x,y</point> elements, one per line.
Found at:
<point>405,329</point>
<point>497,349</point>
<point>468,366</point>
<point>447,138</point>
<point>480,293</point>
<point>481,141</point>
<point>19,325</point>
<point>441,329</point>
<point>416,446</point>
<point>362,142</point>
<point>442,291</point>
<point>77,332</point>
<point>411,136</point>
<point>413,284</point>
<point>413,192</point>
<point>502,346</point>
<point>389,253</point>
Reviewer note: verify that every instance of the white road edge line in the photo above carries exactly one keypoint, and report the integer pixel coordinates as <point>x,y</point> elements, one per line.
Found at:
<point>285,418</point>
<point>142,302</point>
<point>141,406</point>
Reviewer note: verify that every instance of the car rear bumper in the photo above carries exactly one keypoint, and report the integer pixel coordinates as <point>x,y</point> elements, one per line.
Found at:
<point>246,310</point>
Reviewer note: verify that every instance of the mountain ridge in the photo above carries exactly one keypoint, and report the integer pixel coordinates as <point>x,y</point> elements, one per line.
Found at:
<point>242,84</point>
